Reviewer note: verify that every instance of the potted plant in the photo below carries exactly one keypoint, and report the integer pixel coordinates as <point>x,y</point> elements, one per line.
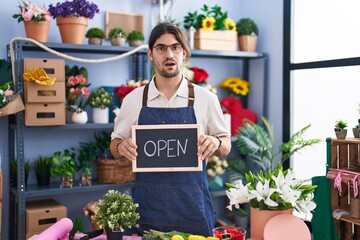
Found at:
<point>135,38</point>
<point>36,20</point>
<point>95,36</point>
<point>86,154</point>
<point>340,129</point>
<point>116,211</point>
<point>72,19</point>
<point>13,172</point>
<point>42,167</point>
<point>247,33</point>
<point>118,36</point>
<point>100,101</point>
<point>64,166</point>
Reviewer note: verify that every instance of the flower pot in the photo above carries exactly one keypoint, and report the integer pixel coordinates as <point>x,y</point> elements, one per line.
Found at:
<point>114,234</point>
<point>95,41</point>
<point>72,29</point>
<point>356,132</point>
<point>135,43</point>
<point>37,30</point>
<point>101,115</point>
<point>85,180</point>
<point>247,43</point>
<point>215,183</point>
<point>69,113</point>
<point>340,133</point>
<point>43,179</point>
<point>259,218</point>
<point>118,41</point>
<point>66,182</point>
<point>79,117</point>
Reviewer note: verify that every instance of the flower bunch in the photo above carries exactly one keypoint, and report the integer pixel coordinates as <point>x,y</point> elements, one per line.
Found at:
<point>32,11</point>
<point>6,94</point>
<point>116,210</point>
<point>124,90</point>
<point>211,19</point>
<point>236,85</point>
<point>277,190</point>
<point>216,166</point>
<point>100,98</point>
<point>199,76</point>
<point>77,88</point>
<point>74,8</point>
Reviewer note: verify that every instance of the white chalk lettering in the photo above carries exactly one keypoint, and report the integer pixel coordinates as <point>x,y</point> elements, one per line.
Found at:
<point>171,148</point>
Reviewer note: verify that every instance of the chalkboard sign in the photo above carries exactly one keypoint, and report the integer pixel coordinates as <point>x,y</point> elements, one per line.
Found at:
<point>166,148</point>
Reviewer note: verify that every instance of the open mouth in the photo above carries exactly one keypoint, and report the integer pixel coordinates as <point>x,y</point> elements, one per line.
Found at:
<point>170,64</point>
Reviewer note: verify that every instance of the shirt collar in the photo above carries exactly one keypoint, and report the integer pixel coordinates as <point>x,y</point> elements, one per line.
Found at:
<point>181,92</point>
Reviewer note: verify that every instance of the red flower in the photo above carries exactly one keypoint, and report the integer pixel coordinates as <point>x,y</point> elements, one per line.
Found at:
<point>200,75</point>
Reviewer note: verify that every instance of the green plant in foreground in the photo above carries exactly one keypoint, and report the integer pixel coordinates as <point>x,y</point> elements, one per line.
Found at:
<point>42,164</point>
<point>63,163</point>
<point>95,32</point>
<point>135,35</point>
<point>340,124</point>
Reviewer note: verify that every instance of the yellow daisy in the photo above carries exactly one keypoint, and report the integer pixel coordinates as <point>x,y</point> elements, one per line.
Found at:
<point>208,23</point>
<point>230,24</point>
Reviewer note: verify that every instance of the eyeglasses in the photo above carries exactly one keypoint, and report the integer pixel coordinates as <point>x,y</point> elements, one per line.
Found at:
<point>161,48</point>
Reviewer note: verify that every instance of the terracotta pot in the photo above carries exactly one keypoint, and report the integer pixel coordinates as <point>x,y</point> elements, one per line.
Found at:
<point>38,31</point>
<point>72,29</point>
<point>247,43</point>
<point>259,218</point>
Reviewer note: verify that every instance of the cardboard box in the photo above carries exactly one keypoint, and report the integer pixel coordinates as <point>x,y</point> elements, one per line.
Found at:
<point>45,114</point>
<point>128,22</point>
<point>42,214</point>
<point>35,93</point>
<point>53,67</point>
<point>216,40</point>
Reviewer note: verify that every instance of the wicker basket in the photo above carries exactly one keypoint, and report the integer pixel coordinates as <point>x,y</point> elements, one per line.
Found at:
<point>114,171</point>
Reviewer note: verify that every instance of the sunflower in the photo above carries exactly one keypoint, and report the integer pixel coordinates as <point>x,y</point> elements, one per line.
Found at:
<point>236,85</point>
<point>230,24</point>
<point>208,23</point>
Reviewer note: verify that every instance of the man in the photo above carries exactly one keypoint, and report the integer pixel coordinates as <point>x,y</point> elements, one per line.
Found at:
<point>172,200</point>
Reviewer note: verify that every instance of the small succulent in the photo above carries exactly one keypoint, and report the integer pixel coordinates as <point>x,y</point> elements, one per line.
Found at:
<point>117,32</point>
<point>246,26</point>
<point>95,32</point>
<point>340,124</point>
<point>135,35</point>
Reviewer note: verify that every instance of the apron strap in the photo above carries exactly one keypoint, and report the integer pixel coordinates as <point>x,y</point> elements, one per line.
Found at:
<point>191,95</point>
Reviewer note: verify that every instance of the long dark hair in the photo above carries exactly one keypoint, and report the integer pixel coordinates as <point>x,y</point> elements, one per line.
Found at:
<point>163,28</point>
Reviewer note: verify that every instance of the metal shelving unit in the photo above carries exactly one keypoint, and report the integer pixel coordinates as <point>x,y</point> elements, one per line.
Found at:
<point>13,220</point>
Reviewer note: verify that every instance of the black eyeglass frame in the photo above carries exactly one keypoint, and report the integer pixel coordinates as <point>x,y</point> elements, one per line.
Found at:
<point>168,46</point>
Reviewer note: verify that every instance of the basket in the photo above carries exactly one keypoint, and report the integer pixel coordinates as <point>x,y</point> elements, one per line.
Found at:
<point>114,171</point>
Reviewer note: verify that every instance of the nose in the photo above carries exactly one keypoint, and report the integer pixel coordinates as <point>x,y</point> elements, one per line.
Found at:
<point>168,51</point>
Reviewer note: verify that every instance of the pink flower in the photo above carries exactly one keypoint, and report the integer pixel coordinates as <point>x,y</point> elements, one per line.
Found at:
<point>85,91</point>
<point>8,93</point>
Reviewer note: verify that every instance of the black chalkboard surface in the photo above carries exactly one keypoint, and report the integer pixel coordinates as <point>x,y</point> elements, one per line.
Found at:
<point>166,148</point>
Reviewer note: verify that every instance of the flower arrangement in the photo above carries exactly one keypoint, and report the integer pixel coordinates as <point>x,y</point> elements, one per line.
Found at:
<point>124,90</point>
<point>212,18</point>
<point>76,87</point>
<point>116,210</point>
<point>272,188</point>
<point>216,166</point>
<point>6,94</point>
<point>100,98</point>
<point>32,12</point>
<point>236,85</point>
<point>199,76</point>
<point>74,8</point>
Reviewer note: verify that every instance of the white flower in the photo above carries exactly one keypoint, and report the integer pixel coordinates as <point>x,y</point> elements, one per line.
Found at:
<point>238,195</point>
<point>263,192</point>
<point>290,195</point>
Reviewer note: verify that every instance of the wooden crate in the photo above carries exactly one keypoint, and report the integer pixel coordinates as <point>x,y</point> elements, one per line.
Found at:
<point>216,40</point>
<point>127,21</point>
<point>341,153</point>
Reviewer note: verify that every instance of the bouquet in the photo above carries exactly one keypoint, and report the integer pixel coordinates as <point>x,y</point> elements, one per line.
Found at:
<point>32,12</point>
<point>124,90</point>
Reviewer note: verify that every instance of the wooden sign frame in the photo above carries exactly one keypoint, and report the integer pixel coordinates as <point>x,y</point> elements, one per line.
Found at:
<point>186,148</point>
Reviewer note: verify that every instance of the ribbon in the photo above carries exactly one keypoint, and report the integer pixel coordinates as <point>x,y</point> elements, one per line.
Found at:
<point>337,182</point>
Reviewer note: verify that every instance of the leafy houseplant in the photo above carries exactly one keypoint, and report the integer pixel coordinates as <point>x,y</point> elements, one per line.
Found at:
<point>118,36</point>
<point>64,166</point>
<point>247,31</point>
<point>271,187</point>
<point>340,129</point>
<point>72,19</point>
<point>42,167</point>
<point>135,38</point>
<point>95,36</point>
<point>116,211</point>
<point>100,100</point>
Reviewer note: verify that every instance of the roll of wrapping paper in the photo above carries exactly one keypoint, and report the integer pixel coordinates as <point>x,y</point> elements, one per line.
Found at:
<point>58,230</point>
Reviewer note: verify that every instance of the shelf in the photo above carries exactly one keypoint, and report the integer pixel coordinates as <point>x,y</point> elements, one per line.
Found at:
<point>33,190</point>
<point>94,126</point>
<point>227,54</point>
<point>349,219</point>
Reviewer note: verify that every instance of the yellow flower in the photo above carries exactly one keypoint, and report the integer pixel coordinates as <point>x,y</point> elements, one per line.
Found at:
<point>208,23</point>
<point>229,24</point>
<point>236,85</point>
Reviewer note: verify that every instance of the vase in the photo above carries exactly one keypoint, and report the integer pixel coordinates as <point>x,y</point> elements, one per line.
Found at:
<point>85,180</point>
<point>101,115</point>
<point>66,182</point>
<point>79,117</point>
<point>259,218</point>
<point>69,113</point>
<point>247,43</point>
<point>38,31</point>
<point>215,183</point>
<point>114,234</point>
<point>43,179</point>
<point>72,29</point>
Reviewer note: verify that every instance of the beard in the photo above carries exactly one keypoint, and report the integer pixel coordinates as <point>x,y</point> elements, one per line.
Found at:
<point>166,74</point>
